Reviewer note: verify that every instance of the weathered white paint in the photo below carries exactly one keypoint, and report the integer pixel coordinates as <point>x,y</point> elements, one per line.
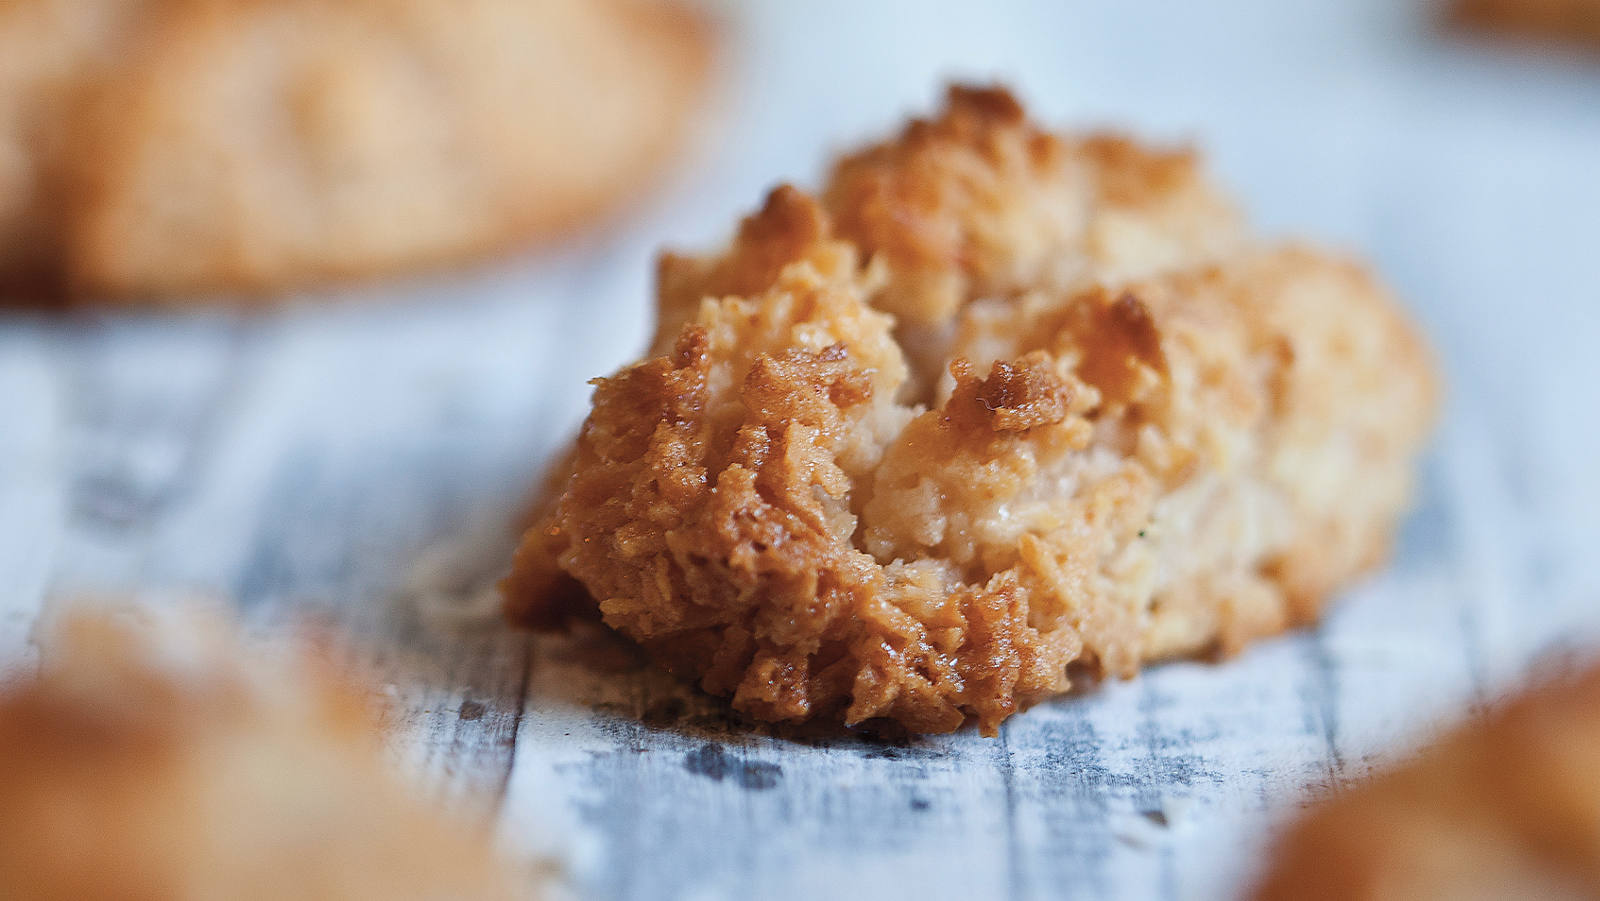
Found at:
<point>308,461</point>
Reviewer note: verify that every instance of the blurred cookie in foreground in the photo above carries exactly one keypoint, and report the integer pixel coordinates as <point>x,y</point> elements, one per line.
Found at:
<point>1569,21</point>
<point>152,148</point>
<point>996,408</point>
<point>162,759</point>
<point>1508,807</point>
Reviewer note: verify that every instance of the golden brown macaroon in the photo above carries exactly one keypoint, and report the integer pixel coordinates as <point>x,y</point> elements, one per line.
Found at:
<point>1506,807</point>
<point>163,760</point>
<point>48,48</point>
<point>1571,21</point>
<point>1000,404</point>
<point>154,148</point>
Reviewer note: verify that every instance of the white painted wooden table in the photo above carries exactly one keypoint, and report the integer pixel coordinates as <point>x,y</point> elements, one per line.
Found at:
<point>308,459</point>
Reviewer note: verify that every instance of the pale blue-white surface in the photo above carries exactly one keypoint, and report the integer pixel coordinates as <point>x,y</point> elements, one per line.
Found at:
<point>309,458</point>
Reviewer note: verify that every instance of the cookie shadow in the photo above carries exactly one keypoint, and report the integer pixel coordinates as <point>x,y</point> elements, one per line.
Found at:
<point>590,667</point>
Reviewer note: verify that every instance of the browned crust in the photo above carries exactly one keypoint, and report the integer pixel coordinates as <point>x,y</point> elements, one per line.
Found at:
<point>789,227</point>
<point>1125,438</point>
<point>1506,807</point>
<point>1017,396</point>
<point>942,204</point>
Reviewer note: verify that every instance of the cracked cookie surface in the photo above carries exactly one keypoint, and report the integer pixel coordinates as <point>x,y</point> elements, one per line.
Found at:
<point>996,407</point>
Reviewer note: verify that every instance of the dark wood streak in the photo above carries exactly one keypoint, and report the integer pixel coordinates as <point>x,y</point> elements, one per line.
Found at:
<point>1320,694</point>
<point>502,789</point>
<point>1162,769</point>
<point>1065,785</point>
<point>1015,887</point>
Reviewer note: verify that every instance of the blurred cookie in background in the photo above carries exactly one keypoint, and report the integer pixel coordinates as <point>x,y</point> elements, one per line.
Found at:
<point>152,149</point>
<point>157,756</point>
<point>1508,807</point>
<point>1568,21</point>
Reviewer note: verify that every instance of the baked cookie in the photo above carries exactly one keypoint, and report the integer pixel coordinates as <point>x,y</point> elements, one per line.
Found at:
<point>999,405</point>
<point>1507,807</point>
<point>162,760</point>
<point>151,148</point>
<point>1573,21</point>
<point>48,48</point>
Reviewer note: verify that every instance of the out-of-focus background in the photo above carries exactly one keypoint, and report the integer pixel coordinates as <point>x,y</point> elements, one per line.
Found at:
<point>316,455</point>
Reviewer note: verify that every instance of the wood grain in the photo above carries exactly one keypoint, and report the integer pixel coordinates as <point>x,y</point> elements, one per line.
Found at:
<point>312,462</point>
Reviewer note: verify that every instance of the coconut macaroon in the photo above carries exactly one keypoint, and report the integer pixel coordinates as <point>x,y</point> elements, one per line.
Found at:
<point>999,406</point>
<point>163,759</point>
<point>1506,807</point>
<point>1571,21</point>
<point>152,149</point>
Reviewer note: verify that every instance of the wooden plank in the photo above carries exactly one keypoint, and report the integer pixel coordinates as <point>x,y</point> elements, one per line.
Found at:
<point>138,400</point>
<point>355,443</point>
<point>313,462</point>
<point>635,767</point>
<point>32,502</point>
